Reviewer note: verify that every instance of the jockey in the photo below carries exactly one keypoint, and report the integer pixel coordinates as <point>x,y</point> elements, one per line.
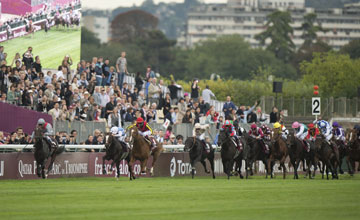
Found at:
<point>282,129</point>
<point>144,130</point>
<point>312,132</point>
<point>301,132</point>
<point>325,129</point>
<point>230,128</point>
<point>120,134</point>
<point>199,132</point>
<point>266,131</point>
<point>258,134</point>
<point>338,132</point>
<point>48,133</point>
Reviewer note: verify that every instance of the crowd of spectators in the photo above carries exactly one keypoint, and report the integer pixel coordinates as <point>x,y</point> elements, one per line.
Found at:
<point>96,91</point>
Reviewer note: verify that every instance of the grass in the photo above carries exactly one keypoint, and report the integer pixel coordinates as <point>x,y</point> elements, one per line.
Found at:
<point>180,198</point>
<point>51,47</point>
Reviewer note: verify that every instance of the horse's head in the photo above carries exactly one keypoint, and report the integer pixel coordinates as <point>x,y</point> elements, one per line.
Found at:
<point>109,141</point>
<point>38,133</point>
<point>352,136</point>
<point>189,144</point>
<point>318,141</point>
<point>223,135</point>
<point>274,135</point>
<point>134,132</point>
<point>290,140</point>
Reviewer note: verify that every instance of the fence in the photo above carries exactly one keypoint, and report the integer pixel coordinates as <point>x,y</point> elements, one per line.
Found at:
<point>330,107</point>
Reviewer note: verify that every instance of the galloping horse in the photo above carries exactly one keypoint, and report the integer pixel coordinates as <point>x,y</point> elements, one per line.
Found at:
<point>298,153</point>
<point>254,152</point>
<point>116,152</point>
<point>197,153</point>
<point>278,151</point>
<point>328,155</point>
<point>229,153</point>
<point>353,151</point>
<point>141,151</point>
<point>42,153</point>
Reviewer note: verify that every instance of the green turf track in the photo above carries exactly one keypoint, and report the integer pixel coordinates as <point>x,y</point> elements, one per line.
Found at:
<point>51,47</point>
<point>180,198</point>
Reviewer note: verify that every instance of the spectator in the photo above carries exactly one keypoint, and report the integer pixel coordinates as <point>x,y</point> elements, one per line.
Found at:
<point>2,138</point>
<point>129,115</point>
<point>84,113</point>
<point>138,81</point>
<point>89,140</point>
<point>173,88</point>
<point>182,108</point>
<point>55,112</point>
<point>21,135</point>
<point>274,117</point>
<point>168,133</point>
<point>121,68</point>
<point>149,73</point>
<point>195,90</point>
<point>167,104</point>
<point>210,118</point>
<point>106,73</point>
<point>73,136</point>
<point>2,56</point>
<point>154,92</point>
<point>260,115</point>
<point>248,111</point>
<point>206,94</point>
<point>251,117</point>
<point>188,117</point>
<point>28,58</point>
<point>98,71</point>
<point>172,140</point>
<point>180,139</point>
<point>228,106</point>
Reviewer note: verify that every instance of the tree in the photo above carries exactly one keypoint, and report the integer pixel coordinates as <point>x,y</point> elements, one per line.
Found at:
<point>352,48</point>
<point>309,29</point>
<point>336,74</point>
<point>279,31</point>
<point>88,37</point>
<point>132,25</point>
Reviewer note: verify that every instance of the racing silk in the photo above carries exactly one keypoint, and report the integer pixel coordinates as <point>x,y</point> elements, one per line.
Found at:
<point>144,130</point>
<point>48,130</point>
<point>120,133</point>
<point>266,130</point>
<point>200,133</point>
<point>312,134</point>
<point>301,132</point>
<point>256,133</point>
<point>325,130</point>
<point>339,133</point>
<point>229,129</point>
<point>284,130</point>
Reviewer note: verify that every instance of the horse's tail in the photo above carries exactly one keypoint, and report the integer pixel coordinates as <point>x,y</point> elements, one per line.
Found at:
<point>59,150</point>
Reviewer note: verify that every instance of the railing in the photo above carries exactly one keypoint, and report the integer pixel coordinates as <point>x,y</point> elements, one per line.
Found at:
<point>167,148</point>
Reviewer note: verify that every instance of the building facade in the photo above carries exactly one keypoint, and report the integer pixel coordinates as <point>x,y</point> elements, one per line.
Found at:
<point>248,18</point>
<point>98,25</point>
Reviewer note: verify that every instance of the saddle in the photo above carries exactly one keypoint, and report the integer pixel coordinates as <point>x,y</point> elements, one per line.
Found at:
<point>151,141</point>
<point>237,143</point>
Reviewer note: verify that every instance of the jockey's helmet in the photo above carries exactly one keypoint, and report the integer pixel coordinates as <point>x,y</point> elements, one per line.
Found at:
<point>139,120</point>
<point>311,126</point>
<point>295,125</point>
<point>114,130</point>
<point>227,123</point>
<point>335,124</point>
<point>277,125</point>
<point>41,121</point>
<point>322,124</point>
<point>197,126</point>
<point>253,126</point>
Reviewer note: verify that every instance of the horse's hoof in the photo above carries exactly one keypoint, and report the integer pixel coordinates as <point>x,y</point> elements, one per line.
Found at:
<point>206,171</point>
<point>241,176</point>
<point>341,172</point>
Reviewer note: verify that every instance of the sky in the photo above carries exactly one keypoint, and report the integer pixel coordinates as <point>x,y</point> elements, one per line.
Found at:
<point>112,4</point>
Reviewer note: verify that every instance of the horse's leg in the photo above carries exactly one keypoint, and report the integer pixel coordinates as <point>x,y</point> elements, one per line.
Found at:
<point>118,169</point>
<point>349,165</point>
<point>143,166</point>
<point>53,157</point>
<point>282,164</point>
<point>303,162</point>
<point>225,168</point>
<point>156,154</point>
<point>211,160</point>
<point>43,174</point>
<point>38,169</point>
<point>103,165</point>
<point>204,165</point>
<point>293,163</point>
<point>239,162</point>
<point>269,167</point>
<point>296,167</point>
<point>131,173</point>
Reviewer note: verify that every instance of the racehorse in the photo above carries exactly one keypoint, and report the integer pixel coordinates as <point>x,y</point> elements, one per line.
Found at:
<point>229,154</point>
<point>197,153</point>
<point>141,151</point>
<point>278,151</point>
<point>297,153</point>
<point>115,151</point>
<point>42,153</point>
<point>342,153</point>
<point>328,155</point>
<point>354,151</point>
<point>253,152</point>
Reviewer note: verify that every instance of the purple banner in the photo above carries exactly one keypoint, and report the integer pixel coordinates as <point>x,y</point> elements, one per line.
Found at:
<point>12,116</point>
<point>23,166</point>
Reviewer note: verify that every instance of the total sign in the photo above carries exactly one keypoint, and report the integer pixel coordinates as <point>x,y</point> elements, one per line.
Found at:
<point>182,167</point>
